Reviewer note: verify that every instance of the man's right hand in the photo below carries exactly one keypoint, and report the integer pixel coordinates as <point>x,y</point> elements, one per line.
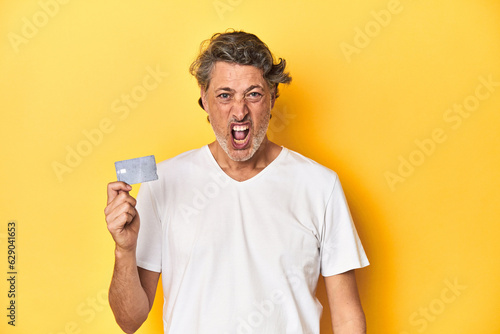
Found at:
<point>132,290</point>
<point>121,216</point>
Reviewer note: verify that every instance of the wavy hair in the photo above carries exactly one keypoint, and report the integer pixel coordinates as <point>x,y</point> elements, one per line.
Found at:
<point>241,48</point>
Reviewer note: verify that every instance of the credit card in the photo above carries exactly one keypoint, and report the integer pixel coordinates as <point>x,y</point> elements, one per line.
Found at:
<point>136,170</point>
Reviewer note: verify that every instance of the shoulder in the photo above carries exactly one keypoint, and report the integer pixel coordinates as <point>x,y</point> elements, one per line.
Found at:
<point>302,163</point>
<point>308,172</point>
<point>183,161</point>
<point>175,172</point>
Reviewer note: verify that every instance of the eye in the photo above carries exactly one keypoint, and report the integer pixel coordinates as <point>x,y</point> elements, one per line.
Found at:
<point>224,96</point>
<point>254,96</point>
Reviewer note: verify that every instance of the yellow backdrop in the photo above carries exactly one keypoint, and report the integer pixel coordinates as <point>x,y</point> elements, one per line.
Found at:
<point>400,98</point>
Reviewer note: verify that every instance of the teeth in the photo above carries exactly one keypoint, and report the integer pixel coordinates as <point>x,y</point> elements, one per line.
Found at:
<point>240,127</point>
<point>239,141</point>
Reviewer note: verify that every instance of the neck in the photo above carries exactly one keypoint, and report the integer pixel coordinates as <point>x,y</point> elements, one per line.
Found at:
<point>244,170</point>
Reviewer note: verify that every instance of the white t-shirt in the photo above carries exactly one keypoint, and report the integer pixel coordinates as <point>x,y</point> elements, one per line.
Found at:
<point>244,257</point>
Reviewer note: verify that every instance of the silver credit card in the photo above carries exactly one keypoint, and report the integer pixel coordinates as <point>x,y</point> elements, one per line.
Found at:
<point>136,170</point>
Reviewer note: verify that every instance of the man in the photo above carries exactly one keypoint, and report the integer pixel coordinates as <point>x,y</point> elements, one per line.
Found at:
<point>240,229</point>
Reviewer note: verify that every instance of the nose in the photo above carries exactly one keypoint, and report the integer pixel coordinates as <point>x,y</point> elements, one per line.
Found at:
<point>239,109</point>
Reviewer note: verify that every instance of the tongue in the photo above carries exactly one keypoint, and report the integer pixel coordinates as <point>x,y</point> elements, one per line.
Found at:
<point>239,135</point>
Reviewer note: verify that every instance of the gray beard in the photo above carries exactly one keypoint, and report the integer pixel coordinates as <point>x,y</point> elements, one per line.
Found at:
<point>256,142</point>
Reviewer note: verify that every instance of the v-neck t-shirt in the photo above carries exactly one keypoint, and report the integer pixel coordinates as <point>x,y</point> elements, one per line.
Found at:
<point>244,257</point>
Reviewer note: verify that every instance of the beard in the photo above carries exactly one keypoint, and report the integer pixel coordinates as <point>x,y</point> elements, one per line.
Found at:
<point>224,138</point>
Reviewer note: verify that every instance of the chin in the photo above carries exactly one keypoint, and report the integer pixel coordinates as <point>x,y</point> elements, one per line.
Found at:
<point>239,155</point>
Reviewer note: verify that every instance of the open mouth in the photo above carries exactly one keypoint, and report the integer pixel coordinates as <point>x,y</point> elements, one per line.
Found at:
<point>240,135</point>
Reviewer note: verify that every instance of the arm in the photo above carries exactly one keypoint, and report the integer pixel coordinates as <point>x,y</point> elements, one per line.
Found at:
<point>345,306</point>
<point>132,289</point>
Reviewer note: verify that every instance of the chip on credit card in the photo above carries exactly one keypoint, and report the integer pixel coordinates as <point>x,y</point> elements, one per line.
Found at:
<point>136,170</point>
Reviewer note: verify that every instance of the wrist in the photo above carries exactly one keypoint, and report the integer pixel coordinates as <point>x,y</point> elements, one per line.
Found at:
<point>121,252</point>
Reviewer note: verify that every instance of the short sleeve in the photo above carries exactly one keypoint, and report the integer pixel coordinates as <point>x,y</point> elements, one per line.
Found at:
<point>149,242</point>
<point>341,249</point>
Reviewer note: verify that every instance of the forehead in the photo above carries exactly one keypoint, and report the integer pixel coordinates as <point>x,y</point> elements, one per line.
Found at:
<point>236,76</point>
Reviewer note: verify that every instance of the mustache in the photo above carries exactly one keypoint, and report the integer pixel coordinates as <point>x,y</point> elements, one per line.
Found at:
<point>245,119</point>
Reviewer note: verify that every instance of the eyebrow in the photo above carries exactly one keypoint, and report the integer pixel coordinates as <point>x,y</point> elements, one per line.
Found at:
<point>227,89</point>
<point>253,87</point>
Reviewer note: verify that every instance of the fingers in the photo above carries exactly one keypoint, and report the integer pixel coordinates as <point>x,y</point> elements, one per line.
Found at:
<point>114,188</point>
<point>120,216</point>
<point>121,206</point>
<point>119,199</point>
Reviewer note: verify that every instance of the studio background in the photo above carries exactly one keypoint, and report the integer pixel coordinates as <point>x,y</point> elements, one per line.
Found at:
<point>400,98</point>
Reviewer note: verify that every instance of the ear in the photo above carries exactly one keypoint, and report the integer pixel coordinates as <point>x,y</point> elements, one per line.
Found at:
<point>273,99</point>
<point>203,98</point>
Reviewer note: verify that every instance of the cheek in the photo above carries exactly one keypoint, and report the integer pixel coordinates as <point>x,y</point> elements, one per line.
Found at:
<point>265,114</point>
<point>262,123</point>
<point>218,122</point>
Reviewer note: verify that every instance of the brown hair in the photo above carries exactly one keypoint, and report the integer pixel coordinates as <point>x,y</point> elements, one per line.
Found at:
<point>241,48</point>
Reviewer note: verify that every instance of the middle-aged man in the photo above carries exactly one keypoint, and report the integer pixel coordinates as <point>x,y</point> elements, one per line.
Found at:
<point>241,228</point>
